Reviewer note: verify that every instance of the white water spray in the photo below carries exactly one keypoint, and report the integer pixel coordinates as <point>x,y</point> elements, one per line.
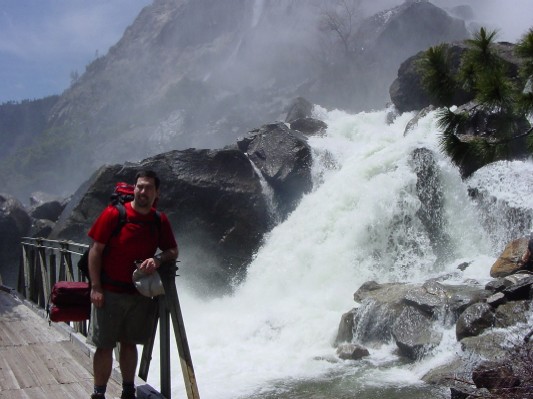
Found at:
<point>277,328</point>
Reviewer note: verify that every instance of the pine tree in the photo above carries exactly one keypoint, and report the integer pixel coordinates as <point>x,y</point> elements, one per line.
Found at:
<point>486,129</point>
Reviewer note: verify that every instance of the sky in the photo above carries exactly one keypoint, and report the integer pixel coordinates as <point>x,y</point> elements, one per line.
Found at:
<point>43,42</point>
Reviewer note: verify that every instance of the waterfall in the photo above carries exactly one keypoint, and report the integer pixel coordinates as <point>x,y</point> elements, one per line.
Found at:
<point>272,337</point>
<point>268,193</point>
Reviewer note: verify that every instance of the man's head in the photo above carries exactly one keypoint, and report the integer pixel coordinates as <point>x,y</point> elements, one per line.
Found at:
<point>146,191</point>
<point>148,174</point>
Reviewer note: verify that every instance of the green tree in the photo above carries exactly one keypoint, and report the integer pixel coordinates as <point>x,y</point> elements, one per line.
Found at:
<point>490,127</point>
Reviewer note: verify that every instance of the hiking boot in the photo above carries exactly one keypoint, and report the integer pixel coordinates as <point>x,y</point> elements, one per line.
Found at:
<point>130,395</point>
<point>97,396</point>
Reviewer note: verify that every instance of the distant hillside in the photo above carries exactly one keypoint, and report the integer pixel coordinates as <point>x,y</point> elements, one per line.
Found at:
<point>21,122</point>
<point>200,73</point>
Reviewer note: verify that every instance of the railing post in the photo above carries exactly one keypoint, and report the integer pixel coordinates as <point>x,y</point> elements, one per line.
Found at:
<point>168,277</point>
<point>25,290</point>
<point>45,278</point>
<point>164,350</point>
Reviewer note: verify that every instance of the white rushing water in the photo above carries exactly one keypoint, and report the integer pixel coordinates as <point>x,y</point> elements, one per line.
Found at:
<point>277,328</point>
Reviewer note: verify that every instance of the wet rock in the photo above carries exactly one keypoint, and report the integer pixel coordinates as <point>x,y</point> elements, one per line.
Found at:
<point>309,126</point>
<point>474,320</point>
<point>521,287</point>
<point>414,333</point>
<point>352,352</point>
<point>346,327</point>
<point>446,302</point>
<point>511,313</point>
<point>494,376</point>
<point>213,199</point>
<point>507,262</point>
<point>380,306</point>
<point>284,158</point>
<point>429,297</point>
<point>490,345</point>
<point>497,285</point>
<point>496,299</point>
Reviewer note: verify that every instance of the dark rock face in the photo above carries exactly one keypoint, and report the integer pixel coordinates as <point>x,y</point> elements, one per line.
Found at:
<point>14,224</point>
<point>200,73</point>
<point>284,159</point>
<point>213,200</point>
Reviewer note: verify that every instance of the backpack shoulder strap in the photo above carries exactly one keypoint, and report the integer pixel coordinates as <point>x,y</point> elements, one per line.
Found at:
<point>121,218</point>
<point>157,217</point>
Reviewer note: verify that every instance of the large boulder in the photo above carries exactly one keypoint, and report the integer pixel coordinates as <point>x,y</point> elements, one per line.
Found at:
<point>213,199</point>
<point>444,301</point>
<point>474,320</point>
<point>508,262</point>
<point>415,333</point>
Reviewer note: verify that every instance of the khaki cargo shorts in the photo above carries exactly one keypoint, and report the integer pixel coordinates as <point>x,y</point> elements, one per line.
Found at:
<point>123,318</point>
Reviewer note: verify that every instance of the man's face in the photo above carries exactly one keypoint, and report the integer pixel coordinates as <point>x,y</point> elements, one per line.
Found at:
<point>145,192</point>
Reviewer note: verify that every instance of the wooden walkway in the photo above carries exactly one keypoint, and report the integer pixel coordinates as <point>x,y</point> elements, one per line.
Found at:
<point>42,361</point>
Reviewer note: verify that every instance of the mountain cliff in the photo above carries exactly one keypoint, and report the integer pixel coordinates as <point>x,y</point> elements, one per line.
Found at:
<point>202,73</point>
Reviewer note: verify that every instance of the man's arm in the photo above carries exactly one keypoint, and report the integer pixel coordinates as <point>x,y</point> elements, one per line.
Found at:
<point>95,271</point>
<point>167,256</point>
<point>151,264</point>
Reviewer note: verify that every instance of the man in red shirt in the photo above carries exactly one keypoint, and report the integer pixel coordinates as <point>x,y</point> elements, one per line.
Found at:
<point>119,313</point>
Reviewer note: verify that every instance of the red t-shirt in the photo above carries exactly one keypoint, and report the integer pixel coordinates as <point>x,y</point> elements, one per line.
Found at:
<point>138,239</point>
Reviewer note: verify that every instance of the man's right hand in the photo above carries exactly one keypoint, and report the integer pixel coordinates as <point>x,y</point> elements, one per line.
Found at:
<point>97,296</point>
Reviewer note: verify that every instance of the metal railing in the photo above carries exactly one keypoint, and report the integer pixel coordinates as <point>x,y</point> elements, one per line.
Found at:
<point>45,262</point>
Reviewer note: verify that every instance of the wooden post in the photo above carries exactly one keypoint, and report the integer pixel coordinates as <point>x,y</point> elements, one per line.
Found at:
<point>169,308</point>
<point>168,277</point>
<point>164,351</point>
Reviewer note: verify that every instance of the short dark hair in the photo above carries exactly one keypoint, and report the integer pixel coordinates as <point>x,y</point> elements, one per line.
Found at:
<point>149,174</point>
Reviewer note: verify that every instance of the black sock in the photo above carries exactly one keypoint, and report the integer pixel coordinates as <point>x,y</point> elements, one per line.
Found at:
<point>100,389</point>
<point>128,387</point>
